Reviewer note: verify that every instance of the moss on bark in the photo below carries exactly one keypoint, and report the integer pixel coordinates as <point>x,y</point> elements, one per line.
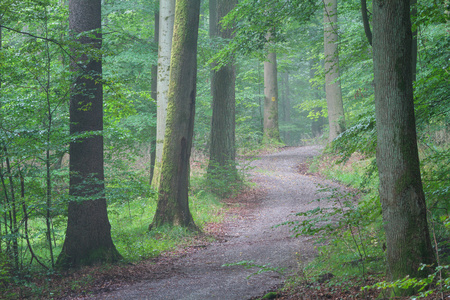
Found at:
<point>173,202</point>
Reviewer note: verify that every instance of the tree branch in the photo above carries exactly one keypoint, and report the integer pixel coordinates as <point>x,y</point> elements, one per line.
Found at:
<point>365,18</point>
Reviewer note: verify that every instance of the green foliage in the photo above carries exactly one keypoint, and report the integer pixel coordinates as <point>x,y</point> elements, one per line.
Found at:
<point>359,138</point>
<point>436,283</point>
<point>254,20</point>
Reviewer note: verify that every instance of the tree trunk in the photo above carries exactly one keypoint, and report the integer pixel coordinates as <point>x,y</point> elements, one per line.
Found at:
<point>173,204</point>
<point>316,124</point>
<point>88,237</point>
<point>401,193</point>
<point>368,32</point>
<point>366,23</point>
<point>213,18</point>
<point>154,93</point>
<point>287,107</point>
<point>166,19</point>
<point>271,129</point>
<point>222,148</point>
<point>336,118</point>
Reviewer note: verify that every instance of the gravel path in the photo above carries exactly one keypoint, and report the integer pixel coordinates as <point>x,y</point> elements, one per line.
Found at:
<point>200,275</point>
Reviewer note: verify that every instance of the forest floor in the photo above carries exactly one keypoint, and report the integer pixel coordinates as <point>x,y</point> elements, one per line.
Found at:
<point>248,235</point>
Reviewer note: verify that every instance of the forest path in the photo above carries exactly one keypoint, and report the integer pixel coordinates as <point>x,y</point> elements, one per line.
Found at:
<point>249,236</point>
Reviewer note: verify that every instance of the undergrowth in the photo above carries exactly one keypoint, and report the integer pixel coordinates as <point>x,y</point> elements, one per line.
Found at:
<point>348,225</point>
<point>131,206</point>
<point>347,228</point>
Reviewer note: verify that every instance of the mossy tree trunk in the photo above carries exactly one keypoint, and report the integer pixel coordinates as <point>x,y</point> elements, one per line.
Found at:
<point>173,204</point>
<point>401,194</point>
<point>88,237</point>
<point>166,19</point>
<point>271,128</point>
<point>336,117</point>
<point>222,148</point>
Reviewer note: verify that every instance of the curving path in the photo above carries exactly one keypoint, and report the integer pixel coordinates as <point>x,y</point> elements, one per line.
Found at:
<point>200,275</point>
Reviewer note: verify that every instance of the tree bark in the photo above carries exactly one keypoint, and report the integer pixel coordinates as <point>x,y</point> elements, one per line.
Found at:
<point>166,19</point>
<point>88,237</point>
<point>336,117</point>
<point>222,148</point>
<point>401,194</point>
<point>271,128</point>
<point>173,204</point>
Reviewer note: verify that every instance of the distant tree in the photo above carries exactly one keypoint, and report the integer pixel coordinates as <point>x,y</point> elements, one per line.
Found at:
<point>222,147</point>
<point>336,117</point>
<point>88,236</point>
<point>316,124</point>
<point>166,19</point>
<point>271,128</point>
<point>401,193</point>
<point>173,204</point>
<point>286,105</point>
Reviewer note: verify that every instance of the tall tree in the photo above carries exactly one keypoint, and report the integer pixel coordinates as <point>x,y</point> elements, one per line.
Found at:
<point>173,204</point>
<point>166,19</point>
<point>222,148</point>
<point>271,129</point>
<point>154,92</point>
<point>88,237</point>
<point>336,117</point>
<point>401,193</point>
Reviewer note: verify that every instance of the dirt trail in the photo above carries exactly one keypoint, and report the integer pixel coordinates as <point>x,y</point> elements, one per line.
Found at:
<point>200,275</point>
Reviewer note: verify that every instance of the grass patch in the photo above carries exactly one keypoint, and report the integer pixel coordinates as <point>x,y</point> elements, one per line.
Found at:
<point>130,220</point>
